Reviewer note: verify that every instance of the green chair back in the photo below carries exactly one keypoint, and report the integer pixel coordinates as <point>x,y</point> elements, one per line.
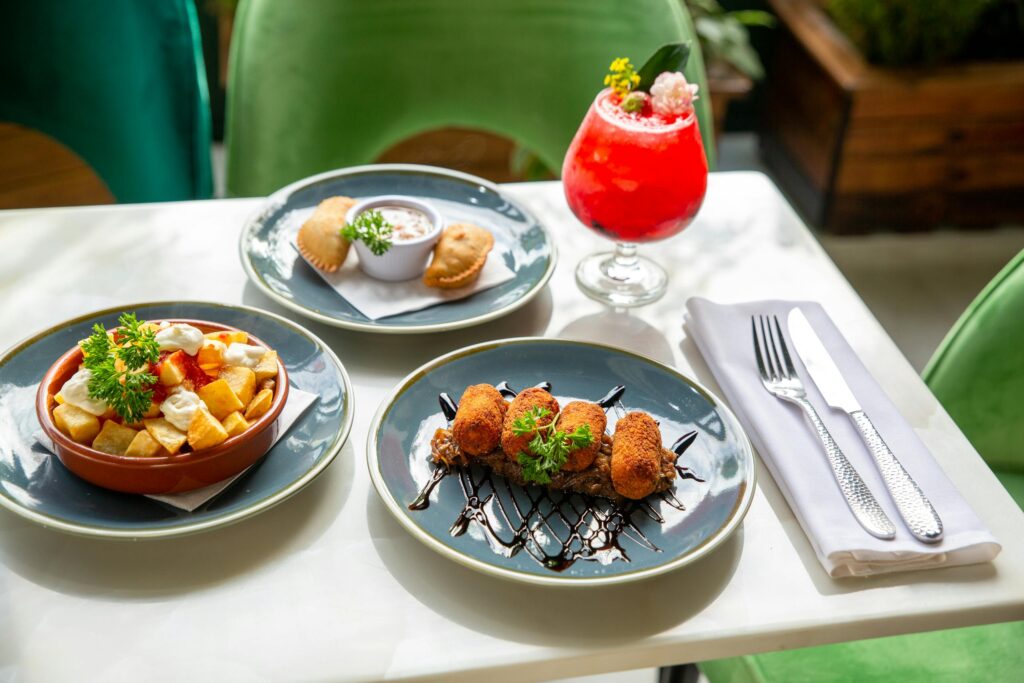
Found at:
<point>977,373</point>
<point>321,84</point>
<point>120,83</point>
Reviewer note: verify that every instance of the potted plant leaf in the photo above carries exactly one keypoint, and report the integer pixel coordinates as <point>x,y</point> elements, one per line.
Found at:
<point>732,63</point>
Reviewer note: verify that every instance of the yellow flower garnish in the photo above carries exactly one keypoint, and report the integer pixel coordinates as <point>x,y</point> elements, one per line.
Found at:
<point>623,77</point>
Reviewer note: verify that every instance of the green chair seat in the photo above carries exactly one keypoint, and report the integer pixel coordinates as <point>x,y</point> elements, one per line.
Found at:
<point>120,83</point>
<point>977,374</point>
<point>979,654</point>
<point>1013,482</point>
<point>322,84</point>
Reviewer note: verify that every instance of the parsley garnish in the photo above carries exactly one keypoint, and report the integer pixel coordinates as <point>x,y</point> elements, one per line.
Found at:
<point>370,228</point>
<point>550,447</point>
<point>120,366</point>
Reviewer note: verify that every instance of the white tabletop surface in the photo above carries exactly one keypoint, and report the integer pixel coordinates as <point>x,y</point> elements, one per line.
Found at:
<point>327,586</point>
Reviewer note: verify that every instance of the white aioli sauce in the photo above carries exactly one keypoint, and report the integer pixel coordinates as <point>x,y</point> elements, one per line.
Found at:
<point>180,406</point>
<point>407,224</point>
<point>76,392</point>
<point>180,336</point>
<point>245,355</point>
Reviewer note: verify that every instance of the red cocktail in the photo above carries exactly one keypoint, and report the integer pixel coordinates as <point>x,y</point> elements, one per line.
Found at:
<point>634,177</point>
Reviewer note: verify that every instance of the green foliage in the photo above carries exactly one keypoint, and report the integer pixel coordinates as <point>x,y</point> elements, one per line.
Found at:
<point>671,57</point>
<point>549,448</point>
<point>124,386</point>
<point>908,32</point>
<point>725,36</point>
<point>371,228</point>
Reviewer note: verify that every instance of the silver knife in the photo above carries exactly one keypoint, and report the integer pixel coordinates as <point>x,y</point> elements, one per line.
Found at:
<point>914,507</point>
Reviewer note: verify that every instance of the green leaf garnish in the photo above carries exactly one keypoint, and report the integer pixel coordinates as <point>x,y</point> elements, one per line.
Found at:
<point>671,57</point>
<point>371,229</point>
<point>123,386</point>
<point>550,448</point>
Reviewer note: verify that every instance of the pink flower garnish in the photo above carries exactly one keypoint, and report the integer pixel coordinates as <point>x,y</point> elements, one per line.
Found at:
<point>671,95</point>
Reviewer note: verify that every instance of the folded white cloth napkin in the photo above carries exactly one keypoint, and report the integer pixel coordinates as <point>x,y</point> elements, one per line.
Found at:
<point>794,455</point>
<point>379,299</point>
<point>298,402</point>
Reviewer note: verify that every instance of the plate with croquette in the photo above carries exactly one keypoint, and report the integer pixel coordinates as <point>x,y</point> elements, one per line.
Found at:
<point>560,462</point>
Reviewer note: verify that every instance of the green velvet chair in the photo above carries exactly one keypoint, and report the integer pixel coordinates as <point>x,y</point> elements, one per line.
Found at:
<point>120,83</point>
<point>321,84</point>
<point>978,375</point>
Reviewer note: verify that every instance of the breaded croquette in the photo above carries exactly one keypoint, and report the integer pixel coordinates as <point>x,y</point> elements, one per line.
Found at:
<point>636,455</point>
<point>479,419</point>
<point>528,398</point>
<point>579,413</point>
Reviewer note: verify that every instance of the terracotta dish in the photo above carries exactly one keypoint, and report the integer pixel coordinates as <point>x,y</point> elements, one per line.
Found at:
<point>167,473</point>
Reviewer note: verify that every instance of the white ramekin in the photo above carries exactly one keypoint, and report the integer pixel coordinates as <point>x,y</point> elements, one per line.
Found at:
<point>404,260</point>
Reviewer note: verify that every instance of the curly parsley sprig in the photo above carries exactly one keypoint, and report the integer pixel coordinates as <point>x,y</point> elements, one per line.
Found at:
<point>372,229</point>
<point>119,366</point>
<point>550,446</point>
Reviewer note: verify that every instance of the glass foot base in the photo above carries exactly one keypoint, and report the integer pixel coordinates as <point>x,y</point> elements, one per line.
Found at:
<point>621,279</point>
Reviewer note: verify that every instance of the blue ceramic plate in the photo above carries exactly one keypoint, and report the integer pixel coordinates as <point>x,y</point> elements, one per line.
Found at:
<point>528,534</point>
<point>37,486</point>
<point>274,266</point>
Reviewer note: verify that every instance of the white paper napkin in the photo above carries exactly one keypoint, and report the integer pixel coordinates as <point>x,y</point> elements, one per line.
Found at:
<point>298,402</point>
<point>794,456</point>
<point>379,299</point>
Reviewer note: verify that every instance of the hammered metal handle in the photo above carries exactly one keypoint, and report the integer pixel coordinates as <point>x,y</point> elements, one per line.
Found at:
<point>914,506</point>
<point>858,496</point>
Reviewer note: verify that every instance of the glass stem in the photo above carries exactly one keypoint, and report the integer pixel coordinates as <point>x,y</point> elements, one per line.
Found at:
<point>623,265</point>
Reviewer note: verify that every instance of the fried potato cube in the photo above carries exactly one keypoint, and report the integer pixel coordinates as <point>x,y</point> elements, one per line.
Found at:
<point>228,337</point>
<point>58,398</point>
<point>205,431</point>
<point>267,367</point>
<point>235,424</point>
<point>172,369</point>
<point>152,411</point>
<point>241,380</point>
<point>77,424</point>
<point>143,446</point>
<point>211,355</point>
<point>220,399</point>
<point>165,434</point>
<point>259,405</point>
<point>114,438</point>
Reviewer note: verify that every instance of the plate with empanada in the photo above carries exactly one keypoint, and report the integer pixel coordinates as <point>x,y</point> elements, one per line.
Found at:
<point>397,248</point>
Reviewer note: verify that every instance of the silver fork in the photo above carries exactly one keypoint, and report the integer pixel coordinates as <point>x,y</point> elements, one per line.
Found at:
<point>780,379</point>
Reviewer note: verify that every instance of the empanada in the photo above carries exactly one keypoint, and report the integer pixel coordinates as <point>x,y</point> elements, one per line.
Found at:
<point>320,239</point>
<point>459,256</point>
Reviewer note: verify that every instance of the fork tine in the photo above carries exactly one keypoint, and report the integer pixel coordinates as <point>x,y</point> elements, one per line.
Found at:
<point>757,350</point>
<point>785,349</point>
<point>775,349</point>
<point>770,351</point>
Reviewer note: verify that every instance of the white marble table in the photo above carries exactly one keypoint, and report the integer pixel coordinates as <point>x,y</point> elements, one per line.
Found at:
<point>328,587</point>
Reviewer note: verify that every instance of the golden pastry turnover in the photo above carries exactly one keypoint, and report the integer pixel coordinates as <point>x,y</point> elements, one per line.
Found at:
<point>459,256</point>
<point>320,239</point>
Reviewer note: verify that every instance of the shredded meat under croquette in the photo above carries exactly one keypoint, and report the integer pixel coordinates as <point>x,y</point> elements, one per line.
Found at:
<point>595,480</point>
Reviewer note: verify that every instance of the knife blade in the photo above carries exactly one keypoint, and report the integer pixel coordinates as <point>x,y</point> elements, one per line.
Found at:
<point>820,365</point>
<point>915,508</point>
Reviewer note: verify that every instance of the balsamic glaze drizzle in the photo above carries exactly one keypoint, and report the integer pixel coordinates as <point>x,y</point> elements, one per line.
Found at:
<point>535,519</point>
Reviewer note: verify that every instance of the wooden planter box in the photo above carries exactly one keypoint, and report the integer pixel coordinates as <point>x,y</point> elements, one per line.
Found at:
<point>861,148</point>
